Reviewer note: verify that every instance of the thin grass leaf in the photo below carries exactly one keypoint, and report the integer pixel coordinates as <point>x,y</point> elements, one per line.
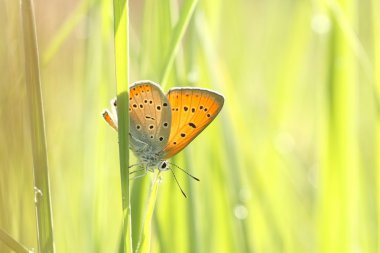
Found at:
<point>121,29</point>
<point>12,243</point>
<point>179,31</point>
<point>351,37</point>
<point>376,49</point>
<point>340,160</point>
<point>67,28</point>
<point>37,126</point>
<point>144,242</point>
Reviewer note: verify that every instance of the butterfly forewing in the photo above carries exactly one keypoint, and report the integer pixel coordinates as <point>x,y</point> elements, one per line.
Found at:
<point>192,110</point>
<point>150,116</point>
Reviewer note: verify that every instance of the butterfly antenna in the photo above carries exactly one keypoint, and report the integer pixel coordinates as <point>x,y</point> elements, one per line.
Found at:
<point>133,165</point>
<point>184,171</point>
<point>179,186</point>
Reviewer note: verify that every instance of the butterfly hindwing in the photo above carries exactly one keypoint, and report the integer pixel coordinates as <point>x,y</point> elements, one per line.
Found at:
<point>192,110</point>
<point>150,116</point>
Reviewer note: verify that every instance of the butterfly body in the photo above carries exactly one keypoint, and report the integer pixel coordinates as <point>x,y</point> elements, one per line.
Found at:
<point>162,125</point>
<point>149,157</point>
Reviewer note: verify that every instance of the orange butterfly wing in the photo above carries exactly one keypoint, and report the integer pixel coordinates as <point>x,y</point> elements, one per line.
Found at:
<point>193,109</point>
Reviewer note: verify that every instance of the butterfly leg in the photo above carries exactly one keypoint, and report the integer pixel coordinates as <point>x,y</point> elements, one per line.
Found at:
<point>138,176</point>
<point>134,165</point>
<point>138,170</point>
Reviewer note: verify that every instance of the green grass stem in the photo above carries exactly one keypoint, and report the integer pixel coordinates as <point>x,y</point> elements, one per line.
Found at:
<point>376,49</point>
<point>121,29</point>
<point>144,242</point>
<point>40,163</point>
<point>339,172</point>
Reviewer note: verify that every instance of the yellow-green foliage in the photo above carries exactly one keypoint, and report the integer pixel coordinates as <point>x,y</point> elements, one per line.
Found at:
<point>291,164</point>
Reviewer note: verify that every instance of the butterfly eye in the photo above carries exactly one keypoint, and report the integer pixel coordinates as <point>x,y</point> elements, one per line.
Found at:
<point>163,165</point>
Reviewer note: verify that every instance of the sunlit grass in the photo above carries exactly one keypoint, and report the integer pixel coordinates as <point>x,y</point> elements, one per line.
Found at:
<point>289,165</point>
<point>44,220</point>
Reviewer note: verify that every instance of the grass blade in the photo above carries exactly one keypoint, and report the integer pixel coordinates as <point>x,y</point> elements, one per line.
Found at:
<point>12,243</point>
<point>122,79</point>
<point>340,160</point>
<point>179,31</point>
<point>376,49</point>
<point>143,244</point>
<point>41,173</point>
<point>67,28</point>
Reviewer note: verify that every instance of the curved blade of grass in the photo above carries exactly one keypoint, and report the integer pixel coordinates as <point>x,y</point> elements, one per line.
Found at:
<point>179,31</point>
<point>40,164</point>
<point>12,243</point>
<point>122,79</point>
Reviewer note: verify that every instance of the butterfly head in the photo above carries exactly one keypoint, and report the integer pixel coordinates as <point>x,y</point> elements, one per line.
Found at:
<point>163,165</point>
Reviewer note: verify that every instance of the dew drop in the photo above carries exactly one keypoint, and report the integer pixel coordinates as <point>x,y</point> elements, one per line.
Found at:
<point>320,24</point>
<point>241,212</point>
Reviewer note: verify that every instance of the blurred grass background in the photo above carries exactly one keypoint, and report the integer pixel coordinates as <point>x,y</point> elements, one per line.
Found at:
<point>292,163</point>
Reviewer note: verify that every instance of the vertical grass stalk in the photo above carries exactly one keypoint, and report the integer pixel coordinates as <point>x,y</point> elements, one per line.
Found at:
<point>143,244</point>
<point>376,50</point>
<point>340,155</point>
<point>40,165</point>
<point>121,30</point>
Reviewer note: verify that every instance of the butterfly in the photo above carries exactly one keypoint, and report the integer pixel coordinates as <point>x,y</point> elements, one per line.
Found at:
<point>163,125</point>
